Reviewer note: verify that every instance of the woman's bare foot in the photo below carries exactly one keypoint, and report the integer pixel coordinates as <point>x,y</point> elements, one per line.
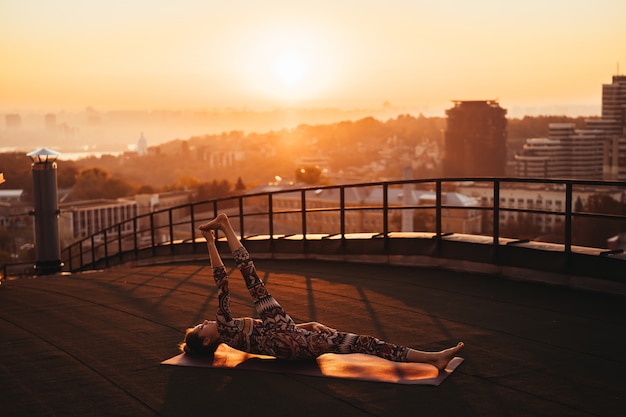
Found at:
<point>439,359</point>
<point>216,223</point>
<point>442,358</point>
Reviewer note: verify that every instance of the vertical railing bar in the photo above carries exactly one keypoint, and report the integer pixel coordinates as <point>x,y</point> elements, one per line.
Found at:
<point>270,207</point>
<point>386,216</point>
<point>119,241</point>
<point>438,225</point>
<point>152,241</point>
<point>303,210</point>
<point>568,217</point>
<point>342,212</point>
<point>136,247</point>
<point>69,260</point>
<point>106,247</point>
<point>171,229</point>
<point>93,251</point>
<point>496,221</point>
<point>241,214</point>
<point>192,223</point>
<point>80,255</point>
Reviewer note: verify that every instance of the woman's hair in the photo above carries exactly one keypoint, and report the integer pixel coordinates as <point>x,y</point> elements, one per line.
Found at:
<point>193,344</point>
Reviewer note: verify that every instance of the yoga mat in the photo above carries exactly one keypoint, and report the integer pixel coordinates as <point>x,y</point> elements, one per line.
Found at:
<point>351,366</point>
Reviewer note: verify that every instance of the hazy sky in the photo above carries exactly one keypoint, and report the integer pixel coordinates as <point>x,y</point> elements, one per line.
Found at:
<point>194,54</point>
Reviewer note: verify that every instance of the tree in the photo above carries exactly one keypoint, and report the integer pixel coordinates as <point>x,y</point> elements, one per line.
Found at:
<point>240,186</point>
<point>94,183</point>
<point>213,190</point>
<point>66,174</point>
<point>308,174</point>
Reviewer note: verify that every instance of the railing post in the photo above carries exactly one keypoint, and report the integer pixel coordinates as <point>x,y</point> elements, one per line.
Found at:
<point>119,241</point>
<point>217,235</point>
<point>496,221</point>
<point>192,222</point>
<point>386,216</point>
<point>80,255</point>
<point>106,247</point>
<point>438,212</point>
<point>342,212</point>
<point>171,229</point>
<point>152,233</point>
<point>93,251</point>
<point>69,258</point>
<point>303,209</point>
<point>270,208</point>
<point>136,247</point>
<point>438,227</point>
<point>241,225</point>
<point>568,219</point>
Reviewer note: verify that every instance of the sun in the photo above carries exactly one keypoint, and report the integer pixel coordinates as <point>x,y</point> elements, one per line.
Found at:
<point>288,64</point>
<point>290,68</point>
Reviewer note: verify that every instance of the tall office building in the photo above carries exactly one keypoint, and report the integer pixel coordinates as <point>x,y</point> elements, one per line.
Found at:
<point>597,152</point>
<point>475,140</point>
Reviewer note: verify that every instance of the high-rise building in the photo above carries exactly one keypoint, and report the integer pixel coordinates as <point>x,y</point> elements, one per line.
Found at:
<point>475,140</point>
<point>597,152</point>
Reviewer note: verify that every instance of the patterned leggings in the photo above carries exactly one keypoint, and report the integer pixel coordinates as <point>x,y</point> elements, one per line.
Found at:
<point>279,336</point>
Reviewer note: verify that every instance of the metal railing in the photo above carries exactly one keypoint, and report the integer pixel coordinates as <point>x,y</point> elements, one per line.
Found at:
<point>364,210</point>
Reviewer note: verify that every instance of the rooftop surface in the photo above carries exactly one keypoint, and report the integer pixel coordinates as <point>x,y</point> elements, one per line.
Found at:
<point>91,343</point>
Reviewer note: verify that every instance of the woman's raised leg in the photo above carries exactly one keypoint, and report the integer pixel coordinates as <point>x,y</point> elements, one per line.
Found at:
<point>271,312</point>
<point>220,277</point>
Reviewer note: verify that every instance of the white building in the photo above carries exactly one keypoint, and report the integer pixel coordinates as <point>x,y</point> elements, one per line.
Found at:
<point>364,211</point>
<point>597,152</point>
<point>542,197</point>
<point>142,145</point>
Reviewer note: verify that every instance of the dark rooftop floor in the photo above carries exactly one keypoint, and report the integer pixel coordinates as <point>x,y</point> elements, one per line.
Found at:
<point>90,344</point>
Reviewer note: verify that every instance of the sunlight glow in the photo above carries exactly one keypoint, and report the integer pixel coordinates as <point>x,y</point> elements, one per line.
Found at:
<point>288,63</point>
<point>291,68</point>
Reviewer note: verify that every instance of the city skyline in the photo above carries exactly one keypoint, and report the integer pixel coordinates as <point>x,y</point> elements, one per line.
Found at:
<point>534,57</point>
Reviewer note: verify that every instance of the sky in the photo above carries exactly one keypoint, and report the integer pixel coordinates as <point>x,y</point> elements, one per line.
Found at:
<point>205,54</point>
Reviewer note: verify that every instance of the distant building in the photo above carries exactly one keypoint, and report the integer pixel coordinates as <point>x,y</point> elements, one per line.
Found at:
<point>13,209</point>
<point>566,153</point>
<point>13,121</point>
<point>80,219</point>
<point>545,197</point>
<point>361,219</point>
<point>142,145</point>
<point>597,152</point>
<point>50,121</point>
<point>475,140</point>
<point>10,196</point>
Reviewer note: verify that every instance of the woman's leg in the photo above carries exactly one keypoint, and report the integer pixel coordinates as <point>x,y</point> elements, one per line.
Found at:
<point>439,359</point>
<point>271,312</point>
<point>219,275</point>
<point>353,343</point>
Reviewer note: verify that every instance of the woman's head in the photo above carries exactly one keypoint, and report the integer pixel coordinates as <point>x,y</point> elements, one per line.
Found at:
<point>201,340</point>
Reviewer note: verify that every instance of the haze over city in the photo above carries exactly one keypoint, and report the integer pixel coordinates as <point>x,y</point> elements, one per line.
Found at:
<point>357,57</point>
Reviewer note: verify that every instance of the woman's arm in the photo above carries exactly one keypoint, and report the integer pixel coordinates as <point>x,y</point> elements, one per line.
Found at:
<point>314,326</point>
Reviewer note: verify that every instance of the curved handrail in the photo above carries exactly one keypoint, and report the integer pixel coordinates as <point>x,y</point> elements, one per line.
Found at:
<point>297,212</point>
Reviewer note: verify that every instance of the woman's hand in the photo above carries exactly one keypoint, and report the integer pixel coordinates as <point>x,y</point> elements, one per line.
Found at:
<point>314,326</point>
<point>209,235</point>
